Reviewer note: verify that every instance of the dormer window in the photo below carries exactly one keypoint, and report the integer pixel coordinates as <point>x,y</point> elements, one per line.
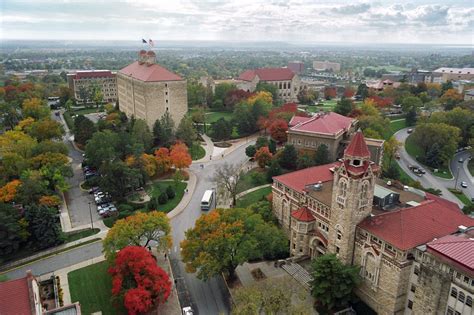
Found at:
<point>356,162</point>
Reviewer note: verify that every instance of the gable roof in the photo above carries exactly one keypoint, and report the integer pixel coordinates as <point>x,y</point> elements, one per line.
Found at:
<point>149,73</point>
<point>357,147</point>
<point>328,123</point>
<point>410,227</point>
<point>298,180</point>
<point>456,248</point>
<point>303,214</point>
<point>268,74</point>
<point>94,74</point>
<point>15,297</point>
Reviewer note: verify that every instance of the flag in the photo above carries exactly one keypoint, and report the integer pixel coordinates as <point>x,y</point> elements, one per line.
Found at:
<point>152,44</point>
<point>144,41</point>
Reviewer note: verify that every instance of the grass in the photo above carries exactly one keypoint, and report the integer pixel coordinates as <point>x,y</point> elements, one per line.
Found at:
<point>157,187</point>
<point>253,178</point>
<point>69,120</point>
<point>215,116</point>
<point>253,197</point>
<point>415,152</point>
<point>404,178</point>
<point>461,196</point>
<point>470,166</point>
<point>85,111</point>
<point>394,127</point>
<point>76,235</point>
<point>197,151</point>
<point>91,286</point>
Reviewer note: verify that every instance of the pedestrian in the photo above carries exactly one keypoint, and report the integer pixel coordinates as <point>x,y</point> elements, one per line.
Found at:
<point>165,256</point>
<point>210,157</point>
<point>222,155</point>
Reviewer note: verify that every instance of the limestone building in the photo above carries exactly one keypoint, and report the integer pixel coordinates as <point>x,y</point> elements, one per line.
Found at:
<point>445,74</point>
<point>147,90</point>
<point>343,208</point>
<point>326,65</point>
<point>330,129</point>
<point>287,82</point>
<point>82,84</point>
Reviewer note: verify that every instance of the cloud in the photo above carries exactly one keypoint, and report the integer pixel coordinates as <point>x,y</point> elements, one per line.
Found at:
<point>352,8</point>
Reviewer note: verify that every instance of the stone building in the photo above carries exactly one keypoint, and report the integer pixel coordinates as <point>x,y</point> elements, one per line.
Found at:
<point>444,74</point>
<point>326,65</point>
<point>147,90</point>
<point>82,83</point>
<point>287,82</point>
<point>343,208</point>
<point>331,129</point>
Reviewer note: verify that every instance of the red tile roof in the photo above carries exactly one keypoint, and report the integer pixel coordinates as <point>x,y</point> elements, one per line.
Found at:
<point>149,73</point>
<point>303,214</point>
<point>328,123</point>
<point>357,147</point>
<point>297,119</point>
<point>94,74</point>
<point>300,179</point>
<point>15,297</point>
<point>456,248</point>
<point>410,227</point>
<point>268,74</point>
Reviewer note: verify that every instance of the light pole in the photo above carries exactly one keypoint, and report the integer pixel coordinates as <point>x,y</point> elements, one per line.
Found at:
<point>456,181</point>
<point>90,212</point>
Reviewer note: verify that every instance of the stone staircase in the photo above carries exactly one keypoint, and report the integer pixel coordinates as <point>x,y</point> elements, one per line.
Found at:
<point>298,273</point>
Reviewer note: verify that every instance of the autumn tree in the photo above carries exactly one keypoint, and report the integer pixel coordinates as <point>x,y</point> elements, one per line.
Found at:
<point>307,96</point>
<point>9,190</point>
<point>348,92</point>
<point>263,157</point>
<point>226,177</point>
<point>263,96</point>
<point>138,230</point>
<point>180,156</point>
<point>278,130</point>
<point>329,92</point>
<point>390,148</point>
<point>34,108</point>
<point>333,283</point>
<point>450,98</point>
<point>137,281</point>
<point>163,160</point>
<point>268,87</point>
<point>45,129</point>
<point>234,97</point>
<point>50,201</point>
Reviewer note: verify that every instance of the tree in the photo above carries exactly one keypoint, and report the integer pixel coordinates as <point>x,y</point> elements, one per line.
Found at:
<point>263,157</point>
<point>390,148</point>
<point>244,119</point>
<point>163,160</point>
<point>344,106</point>
<point>234,97</point>
<point>458,117</point>
<point>321,156</point>
<point>97,96</point>
<point>138,280</point>
<point>348,92</point>
<point>186,131</point>
<point>450,98</point>
<point>221,129</point>
<point>226,177</point>
<point>196,94</point>
<point>102,148</point>
<point>278,130</point>
<point>43,225</point>
<point>221,91</point>
<point>225,238</point>
<point>250,151</point>
<point>333,282</point>
<point>267,87</point>
<point>307,96</point>
<point>163,130</point>
<point>433,156</point>
<point>45,129</point>
<point>118,178</point>
<point>305,160</point>
<point>34,108</point>
<point>410,103</point>
<point>180,156</point>
<point>272,146</point>
<point>138,230</point>
<point>12,230</point>
<point>9,190</point>
<point>141,134</point>
<point>288,157</point>
<point>84,128</point>
<point>447,137</point>
<point>410,118</point>
<point>362,90</point>
<point>330,92</point>
<point>273,170</point>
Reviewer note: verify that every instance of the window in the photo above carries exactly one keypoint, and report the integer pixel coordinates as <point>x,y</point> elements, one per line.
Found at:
<point>413,288</point>
<point>450,311</point>
<point>466,280</point>
<point>410,304</point>
<point>166,101</point>
<point>457,313</point>
<point>166,93</point>
<point>454,293</point>
<point>469,301</point>
<point>337,249</point>
<point>166,85</point>
<point>417,271</point>
<point>461,297</point>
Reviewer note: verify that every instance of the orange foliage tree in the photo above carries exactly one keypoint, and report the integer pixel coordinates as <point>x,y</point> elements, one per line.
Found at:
<point>163,160</point>
<point>50,201</point>
<point>180,156</point>
<point>9,190</point>
<point>263,156</point>
<point>278,129</point>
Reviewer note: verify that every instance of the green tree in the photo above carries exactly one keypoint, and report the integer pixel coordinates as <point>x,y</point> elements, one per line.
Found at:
<point>221,91</point>
<point>362,90</point>
<point>305,160</point>
<point>390,148</point>
<point>186,131</point>
<point>410,103</point>
<point>250,151</point>
<point>273,170</point>
<point>102,148</point>
<point>321,156</point>
<point>288,157</point>
<point>410,118</point>
<point>84,128</point>
<point>142,134</point>
<point>43,225</point>
<point>267,87</point>
<point>458,117</point>
<point>221,129</point>
<point>447,137</point>
<point>344,106</point>
<point>117,179</point>
<point>45,129</point>
<point>196,94</point>
<point>11,229</point>
<point>244,119</point>
<point>333,283</point>
<point>163,130</point>
<point>433,156</point>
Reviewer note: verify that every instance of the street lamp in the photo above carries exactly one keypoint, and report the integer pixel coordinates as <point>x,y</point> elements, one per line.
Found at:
<point>90,212</point>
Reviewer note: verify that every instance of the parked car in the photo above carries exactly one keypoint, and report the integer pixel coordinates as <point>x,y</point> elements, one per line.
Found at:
<point>103,206</point>
<point>410,130</point>
<point>94,190</point>
<point>187,310</point>
<point>463,184</point>
<point>461,160</point>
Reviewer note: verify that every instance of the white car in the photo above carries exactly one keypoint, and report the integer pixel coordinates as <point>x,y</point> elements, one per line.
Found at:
<point>187,310</point>
<point>463,184</point>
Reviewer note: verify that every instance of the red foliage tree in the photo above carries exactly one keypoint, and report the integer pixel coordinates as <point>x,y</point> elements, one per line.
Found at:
<point>382,102</point>
<point>356,112</point>
<point>278,129</point>
<point>348,92</point>
<point>263,156</point>
<point>163,160</point>
<point>138,280</point>
<point>234,97</point>
<point>329,92</point>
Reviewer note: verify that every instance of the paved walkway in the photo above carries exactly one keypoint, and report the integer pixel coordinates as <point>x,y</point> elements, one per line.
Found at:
<point>209,147</point>
<point>186,197</point>
<point>251,190</point>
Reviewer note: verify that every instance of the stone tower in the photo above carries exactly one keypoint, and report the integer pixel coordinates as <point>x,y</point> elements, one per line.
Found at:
<point>352,195</point>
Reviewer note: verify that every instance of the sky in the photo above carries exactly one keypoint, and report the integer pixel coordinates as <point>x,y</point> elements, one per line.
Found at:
<point>310,21</point>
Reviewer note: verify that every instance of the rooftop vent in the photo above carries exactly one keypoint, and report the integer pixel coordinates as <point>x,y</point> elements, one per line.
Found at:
<point>462,228</point>
<point>318,186</point>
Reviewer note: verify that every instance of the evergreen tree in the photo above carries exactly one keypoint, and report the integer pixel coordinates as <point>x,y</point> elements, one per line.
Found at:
<point>322,155</point>
<point>83,129</point>
<point>272,146</point>
<point>221,129</point>
<point>410,118</point>
<point>186,131</point>
<point>163,130</point>
<point>288,157</point>
<point>43,225</point>
<point>250,151</point>
<point>433,156</point>
<point>344,107</point>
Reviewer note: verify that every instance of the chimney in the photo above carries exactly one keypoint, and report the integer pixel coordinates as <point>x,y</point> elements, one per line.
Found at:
<point>141,56</point>
<point>150,58</point>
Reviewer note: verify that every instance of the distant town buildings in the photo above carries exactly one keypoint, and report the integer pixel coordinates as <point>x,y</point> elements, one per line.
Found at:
<point>330,129</point>
<point>469,95</point>
<point>443,75</point>
<point>147,90</point>
<point>82,84</point>
<point>326,66</point>
<point>287,82</point>
<point>380,85</point>
<point>296,66</point>
<point>403,240</point>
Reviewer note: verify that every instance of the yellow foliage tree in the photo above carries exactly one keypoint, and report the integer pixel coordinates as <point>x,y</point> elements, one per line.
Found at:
<point>262,95</point>
<point>50,201</point>
<point>33,107</point>
<point>25,123</point>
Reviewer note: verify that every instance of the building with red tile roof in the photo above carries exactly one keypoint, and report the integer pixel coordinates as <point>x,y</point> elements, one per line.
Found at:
<point>82,83</point>
<point>147,90</point>
<point>287,82</point>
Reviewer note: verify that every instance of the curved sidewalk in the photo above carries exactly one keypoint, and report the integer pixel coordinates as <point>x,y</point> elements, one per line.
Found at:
<point>186,197</point>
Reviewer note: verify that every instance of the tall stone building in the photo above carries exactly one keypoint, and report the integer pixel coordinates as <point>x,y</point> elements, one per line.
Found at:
<point>343,208</point>
<point>82,83</point>
<point>147,90</point>
<point>287,82</point>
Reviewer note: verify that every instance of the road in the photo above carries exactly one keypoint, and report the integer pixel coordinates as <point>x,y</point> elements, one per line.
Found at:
<point>427,180</point>
<point>77,200</point>
<point>461,173</point>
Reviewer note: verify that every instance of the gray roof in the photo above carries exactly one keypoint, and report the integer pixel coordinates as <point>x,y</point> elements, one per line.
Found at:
<point>382,192</point>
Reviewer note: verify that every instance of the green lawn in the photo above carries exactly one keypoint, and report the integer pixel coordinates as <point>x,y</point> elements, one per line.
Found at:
<point>415,151</point>
<point>253,178</point>
<point>394,127</point>
<point>197,151</point>
<point>215,116</point>
<point>253,197</point>
<point>84,111</point>
<point>461,196</point>
<point>76,235</point>
<point>92,287</point>
<point>156,188</point>
<point>69,120</point>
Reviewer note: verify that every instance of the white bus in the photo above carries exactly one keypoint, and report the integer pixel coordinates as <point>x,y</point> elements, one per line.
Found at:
<point>208,200</point>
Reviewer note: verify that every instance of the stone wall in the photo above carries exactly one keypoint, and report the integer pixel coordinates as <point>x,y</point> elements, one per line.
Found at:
<point>311,142</point>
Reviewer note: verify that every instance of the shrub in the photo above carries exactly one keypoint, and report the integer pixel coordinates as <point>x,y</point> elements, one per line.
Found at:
<point>170,192</point>
<point>258,178</point>
<point>163,198</point>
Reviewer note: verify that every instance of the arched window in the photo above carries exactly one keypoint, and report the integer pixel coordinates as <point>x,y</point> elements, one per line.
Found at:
<point>343,188</point>
<point>469,301</point>
<point>454,293</point>
<point>364,194</point>
<point>339,232</point>
<point>461,297</point>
